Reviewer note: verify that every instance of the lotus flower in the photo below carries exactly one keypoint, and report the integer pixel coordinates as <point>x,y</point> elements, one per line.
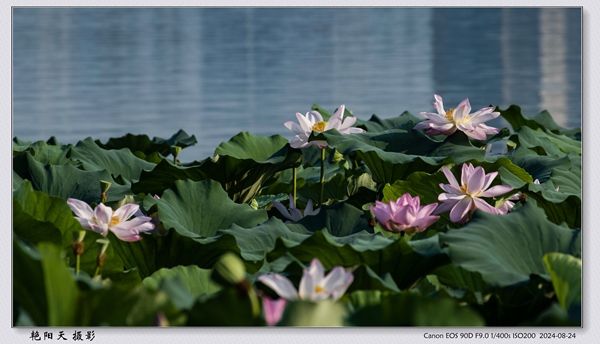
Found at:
<point>462,200</point>
<point>273,309</point>
<point>103,218</point>
<point>446,122</point>
<point>405,214</point>
<point>313,122</point>
<point>296,214</point>
<point>314,285</point>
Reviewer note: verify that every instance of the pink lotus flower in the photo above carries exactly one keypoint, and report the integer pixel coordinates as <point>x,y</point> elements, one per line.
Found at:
<point>462,200</point>
<point>103,218</point>
<point>314,285</point>
<point>313,122</point>
<point>405,214</point>
<point>296,214</point>
<point>446,122</point>
<point>273,309</point>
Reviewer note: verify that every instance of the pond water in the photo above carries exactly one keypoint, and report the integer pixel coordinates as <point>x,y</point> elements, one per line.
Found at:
<point>105,72</point>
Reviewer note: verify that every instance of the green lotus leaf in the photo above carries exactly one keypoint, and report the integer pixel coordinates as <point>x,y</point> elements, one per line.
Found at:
<point>17,181</point>
<point>38,217</point>
<point>247,163</point>
<point>313,174</point>
<point>458,278</point>
<point>539,166</point>
<point>67,181</point>
<point>324,313</point>
<point>380,254</point>
<point>143,144</point>
<point>140,255</point>
<point>564,205</point>
<point>117,162</point>
<point>565,271</point>
<point>508,252</point>
<point>225,308</point>
<point>200,209</point>
<point>366,279</point>
<point>247,146</point>
<point>254,243</point>
<point>375,124</point>
<point>567,212</point>
<point>164,175</point>
<point>182,283</point>
<point>284,183</point>
<point>396,153</point>
<point>61,291</point>
<point>543,121</point>
<point>340,220</point>
<point>553,144</point>
<point>20,145</point>
<point>355,182</point>
<point>239,173</point>
<point>28,283</point>
<point>153,252</point>
<point>44,286</point>
<point>50,154</point>
<point>335,188</point>
<point>410,309</point>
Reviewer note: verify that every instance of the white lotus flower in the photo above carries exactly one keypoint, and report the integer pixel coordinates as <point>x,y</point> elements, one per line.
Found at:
<point>103,218</point>
<point>314,285</point>
<point>447,122</point>
<point>462,200</point>
<point>313,122</point>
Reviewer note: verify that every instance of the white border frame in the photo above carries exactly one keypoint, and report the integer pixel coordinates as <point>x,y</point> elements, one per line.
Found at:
<point>590,82</point>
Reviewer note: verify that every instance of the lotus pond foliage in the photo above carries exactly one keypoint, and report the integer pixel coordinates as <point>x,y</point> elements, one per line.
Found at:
<point>430,220</point>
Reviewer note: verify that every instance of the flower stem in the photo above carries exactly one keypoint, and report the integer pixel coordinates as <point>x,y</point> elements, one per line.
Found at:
<point>294,183</point>
<point>77,247</point>
<point>322,176</point>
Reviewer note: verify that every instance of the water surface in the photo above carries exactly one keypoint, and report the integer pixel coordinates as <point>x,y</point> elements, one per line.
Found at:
<point>105,72</point>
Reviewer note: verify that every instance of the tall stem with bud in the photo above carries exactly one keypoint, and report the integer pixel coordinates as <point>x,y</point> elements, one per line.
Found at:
<point>104,186</point>
<point>100,262</point>
<point>175,150</point>
<point>78,247</point>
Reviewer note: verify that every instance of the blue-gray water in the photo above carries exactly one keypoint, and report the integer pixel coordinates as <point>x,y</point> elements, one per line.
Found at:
<point>104,72</point>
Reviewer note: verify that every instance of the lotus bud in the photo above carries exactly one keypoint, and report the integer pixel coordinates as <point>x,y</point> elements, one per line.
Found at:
<point>100,262</point>
<point>175,150</point>
<point>78,247</point>
<point>78,244</point>
<point>104,186</point>
<point>229,270</point>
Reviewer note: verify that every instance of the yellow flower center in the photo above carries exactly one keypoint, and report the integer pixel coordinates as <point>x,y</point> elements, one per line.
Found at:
<point>115,220</point>
<point>319,126</point>
<point>450,116</point>
<point>319,289</point>
<point>464,188</point>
